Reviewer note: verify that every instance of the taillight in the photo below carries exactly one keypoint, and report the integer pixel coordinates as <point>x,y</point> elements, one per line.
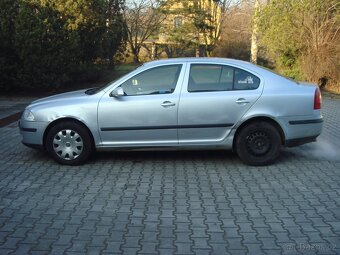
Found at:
<point>317,99</point>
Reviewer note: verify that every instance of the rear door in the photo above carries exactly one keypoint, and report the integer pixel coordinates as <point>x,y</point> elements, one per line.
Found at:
<point>214,97</point>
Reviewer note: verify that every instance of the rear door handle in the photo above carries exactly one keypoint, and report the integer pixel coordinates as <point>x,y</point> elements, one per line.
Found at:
<point>242,101</point>
<point>167,104</point>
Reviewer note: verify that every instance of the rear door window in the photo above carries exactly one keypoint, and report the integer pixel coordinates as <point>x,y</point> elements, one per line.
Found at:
<point>210,77</point>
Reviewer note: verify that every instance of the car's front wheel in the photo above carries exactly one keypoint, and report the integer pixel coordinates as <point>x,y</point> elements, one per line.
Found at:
<point>69,143</point>
<point>258,143</point>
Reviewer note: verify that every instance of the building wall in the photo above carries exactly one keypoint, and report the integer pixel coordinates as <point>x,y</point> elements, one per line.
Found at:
<point>175,8</point>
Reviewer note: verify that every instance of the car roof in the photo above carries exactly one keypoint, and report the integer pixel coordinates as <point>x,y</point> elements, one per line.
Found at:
<point>206,60</point>
<point>198,60</point>
<point>257,70</point>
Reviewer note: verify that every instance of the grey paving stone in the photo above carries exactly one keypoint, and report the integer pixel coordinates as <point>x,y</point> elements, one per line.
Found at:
<point>166,251</point>
<point>10,243</point>
<point>148,248</point>
<point>130,250</point>
<point>167,243</point>
<point>113,248</point>
<point>184,248</point>
<point>172,202</point>
<point>6,251</point>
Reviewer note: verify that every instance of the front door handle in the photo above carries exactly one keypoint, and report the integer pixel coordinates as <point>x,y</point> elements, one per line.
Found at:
<point>242,101</point>
<point>167,104</point>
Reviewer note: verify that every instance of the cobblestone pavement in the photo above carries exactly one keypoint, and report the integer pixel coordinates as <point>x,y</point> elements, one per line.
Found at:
<point>172,202</point>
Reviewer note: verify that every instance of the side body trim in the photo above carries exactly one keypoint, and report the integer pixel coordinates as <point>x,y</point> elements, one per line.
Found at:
<point>299,122</point>
<point>165,127</point>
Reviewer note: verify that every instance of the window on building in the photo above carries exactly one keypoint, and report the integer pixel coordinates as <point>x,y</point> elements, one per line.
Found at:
<point>178,21</point>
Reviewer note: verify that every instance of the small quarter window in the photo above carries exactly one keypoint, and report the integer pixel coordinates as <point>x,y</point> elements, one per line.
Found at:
<point>245,80</point>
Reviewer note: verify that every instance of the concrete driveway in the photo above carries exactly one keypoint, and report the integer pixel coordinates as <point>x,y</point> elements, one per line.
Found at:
<point>204,202</point>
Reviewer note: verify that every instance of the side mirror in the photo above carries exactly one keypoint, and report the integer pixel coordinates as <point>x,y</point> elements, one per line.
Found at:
<point>117,92</point>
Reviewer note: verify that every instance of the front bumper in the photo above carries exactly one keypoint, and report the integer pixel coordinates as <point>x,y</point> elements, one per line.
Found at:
<point>32,133</point>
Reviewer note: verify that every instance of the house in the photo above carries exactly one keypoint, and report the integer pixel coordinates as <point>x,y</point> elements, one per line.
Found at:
<point>191,27</point>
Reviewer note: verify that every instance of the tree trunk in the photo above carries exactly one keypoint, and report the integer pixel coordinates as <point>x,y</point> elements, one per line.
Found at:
<point>254,36</point>
<point>135,53</point>
<point>111,62</point>
<point>169,52</point>
<point>197,54</point>
<point>136,59</point>
<point>154,51</point>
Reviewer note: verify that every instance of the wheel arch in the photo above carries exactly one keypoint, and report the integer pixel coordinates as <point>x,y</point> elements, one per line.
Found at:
<point>70,119</point>
<point>257,119</point>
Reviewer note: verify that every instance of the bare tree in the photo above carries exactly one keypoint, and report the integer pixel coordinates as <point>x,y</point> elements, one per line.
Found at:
<point>254,49</point>
<point>236,32</point>
<point>255,31</point>
<point>215,14</point>
<point>143,19</point>
<point>224,6</point>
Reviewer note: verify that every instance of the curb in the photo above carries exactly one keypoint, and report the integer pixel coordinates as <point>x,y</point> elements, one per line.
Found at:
<point>10,119</point>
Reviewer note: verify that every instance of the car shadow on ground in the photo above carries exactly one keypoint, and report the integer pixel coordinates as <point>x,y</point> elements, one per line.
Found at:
<point>188,155</point>
<point>33,155</point>
<point>321,150</point>
<point>307,152</point>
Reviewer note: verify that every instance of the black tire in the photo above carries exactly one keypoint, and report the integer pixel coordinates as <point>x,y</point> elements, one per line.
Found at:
<point>258,143</point>
<point>69,143</point>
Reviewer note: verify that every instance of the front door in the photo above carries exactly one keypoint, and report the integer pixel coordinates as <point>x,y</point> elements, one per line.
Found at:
<point>146,115</point>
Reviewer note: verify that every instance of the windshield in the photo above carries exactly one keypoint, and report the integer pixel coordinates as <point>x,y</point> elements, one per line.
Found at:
<point>95,90</point>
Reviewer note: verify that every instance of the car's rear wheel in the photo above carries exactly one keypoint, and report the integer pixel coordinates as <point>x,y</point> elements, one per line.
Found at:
<point>69,143</point>
<point>258,143</point>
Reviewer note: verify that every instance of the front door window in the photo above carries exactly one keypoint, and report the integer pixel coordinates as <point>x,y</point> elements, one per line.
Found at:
<point>158,80</point>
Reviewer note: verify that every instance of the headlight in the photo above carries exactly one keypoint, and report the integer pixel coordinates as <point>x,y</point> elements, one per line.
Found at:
<point>28,115</point>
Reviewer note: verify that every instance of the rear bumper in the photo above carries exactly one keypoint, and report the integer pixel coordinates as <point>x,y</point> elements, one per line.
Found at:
<point>299,130</point>
<point>300,141</point>
<point>303,122</point>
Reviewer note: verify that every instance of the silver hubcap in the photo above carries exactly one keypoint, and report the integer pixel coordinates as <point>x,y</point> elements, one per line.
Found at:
<point>68,144</point>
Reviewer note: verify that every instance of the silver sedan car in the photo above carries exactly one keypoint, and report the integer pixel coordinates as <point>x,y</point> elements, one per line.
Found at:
<point>206,103</point>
